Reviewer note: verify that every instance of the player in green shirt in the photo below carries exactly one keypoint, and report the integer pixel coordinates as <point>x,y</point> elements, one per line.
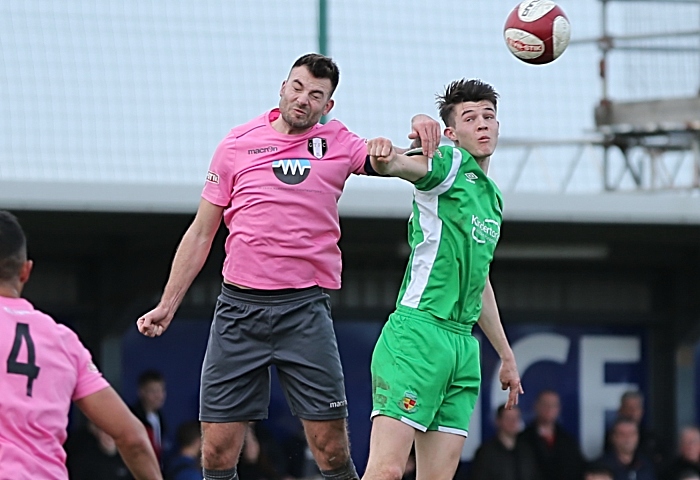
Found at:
<point>425,367</point>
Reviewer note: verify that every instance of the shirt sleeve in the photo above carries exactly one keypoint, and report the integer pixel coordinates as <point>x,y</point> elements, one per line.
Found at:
<point>89,379</point>
<point>357,150</point>
<point>438,169</point>
<point>218,185</point>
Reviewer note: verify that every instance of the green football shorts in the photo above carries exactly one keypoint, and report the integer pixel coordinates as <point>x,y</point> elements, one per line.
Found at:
<point>426,373</point>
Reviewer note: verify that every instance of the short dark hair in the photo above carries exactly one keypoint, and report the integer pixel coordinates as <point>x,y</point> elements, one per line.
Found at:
<point>13,246</point>
<point>188,433</point>
<point>320,66</point>
<point>149,376</point>
<point>461,91</point>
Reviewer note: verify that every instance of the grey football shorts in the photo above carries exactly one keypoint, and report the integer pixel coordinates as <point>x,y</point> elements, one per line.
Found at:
<point>249,333</point>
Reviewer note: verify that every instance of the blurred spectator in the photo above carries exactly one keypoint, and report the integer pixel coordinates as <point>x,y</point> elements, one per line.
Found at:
<point>632,408</point>
<point>688,460</point>
<point>92,454</point>
<point>688,475</point>
<point>504,457</point>
<point>597,472</point>
<point>558,452</point>
<point>186,465</point>
<point>151,392</point>
<point>624,460</point>
<point>261,458</point>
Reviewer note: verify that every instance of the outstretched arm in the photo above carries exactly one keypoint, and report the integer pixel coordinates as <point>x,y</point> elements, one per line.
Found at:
<point>189,260</point>
<point>490,323</point>
<point>108,412</point>
<point>387,161</point>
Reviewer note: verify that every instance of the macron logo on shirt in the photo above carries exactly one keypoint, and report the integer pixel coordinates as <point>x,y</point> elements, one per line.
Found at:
<point>258,151</point>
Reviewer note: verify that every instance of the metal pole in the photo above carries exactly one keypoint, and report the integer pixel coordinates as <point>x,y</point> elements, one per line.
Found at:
<point>323,34</point>
<point>605,45</point>
<point>323,27</point>
<point>696,160</point>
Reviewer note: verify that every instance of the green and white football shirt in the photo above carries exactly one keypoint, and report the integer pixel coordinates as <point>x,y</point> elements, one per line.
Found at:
<point>453,231</point>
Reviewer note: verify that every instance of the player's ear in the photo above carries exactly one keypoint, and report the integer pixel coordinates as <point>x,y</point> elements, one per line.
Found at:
<point>25,271</point>
<point>282,87</point>
<point>329,106</point>
<point>450,133</point>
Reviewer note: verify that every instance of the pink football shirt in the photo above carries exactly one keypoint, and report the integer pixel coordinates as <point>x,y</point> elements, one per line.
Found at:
<point>281,196</point>
<point>44,367</point>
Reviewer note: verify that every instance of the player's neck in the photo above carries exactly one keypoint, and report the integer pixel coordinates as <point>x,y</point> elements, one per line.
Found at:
<point>484,163</point>
<point>10,290</point>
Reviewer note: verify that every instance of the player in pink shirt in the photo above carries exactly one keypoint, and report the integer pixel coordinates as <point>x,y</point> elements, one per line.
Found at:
<point>275,181</point>
<point>45,368</point>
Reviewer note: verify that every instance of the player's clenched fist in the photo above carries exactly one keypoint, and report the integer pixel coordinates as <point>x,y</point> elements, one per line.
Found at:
<point>381,149</point>
<point>154,323</point>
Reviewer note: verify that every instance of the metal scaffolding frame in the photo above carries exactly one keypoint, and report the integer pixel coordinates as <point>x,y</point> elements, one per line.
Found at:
<point>656,138</point>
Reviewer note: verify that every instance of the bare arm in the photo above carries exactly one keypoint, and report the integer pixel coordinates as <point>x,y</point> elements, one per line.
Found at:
<point>490,323</point>
<point>189,259</point>
<point>108,412</point>
<point>387,161</point>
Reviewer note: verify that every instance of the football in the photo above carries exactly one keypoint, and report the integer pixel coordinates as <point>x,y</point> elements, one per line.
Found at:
<point>537,31</point>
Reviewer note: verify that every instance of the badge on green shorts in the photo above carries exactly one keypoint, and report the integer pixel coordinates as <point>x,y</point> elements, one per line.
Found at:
<point>409,402</point>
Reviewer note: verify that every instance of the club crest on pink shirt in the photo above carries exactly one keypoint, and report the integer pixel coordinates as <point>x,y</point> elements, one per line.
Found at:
<point>317,147</point>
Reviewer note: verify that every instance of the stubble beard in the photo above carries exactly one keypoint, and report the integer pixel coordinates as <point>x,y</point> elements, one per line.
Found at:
<point>298,123</point>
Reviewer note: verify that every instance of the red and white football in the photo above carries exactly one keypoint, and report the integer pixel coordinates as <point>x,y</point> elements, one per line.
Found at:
<point>537,31</point>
